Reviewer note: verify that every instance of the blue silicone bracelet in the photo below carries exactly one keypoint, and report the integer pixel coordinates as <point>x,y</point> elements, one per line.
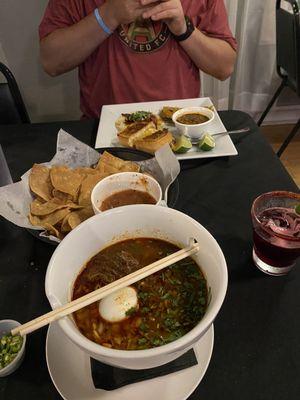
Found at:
<point>101,22</point>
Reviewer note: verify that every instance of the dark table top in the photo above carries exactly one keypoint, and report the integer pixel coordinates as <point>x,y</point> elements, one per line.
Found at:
<point>256,351</point>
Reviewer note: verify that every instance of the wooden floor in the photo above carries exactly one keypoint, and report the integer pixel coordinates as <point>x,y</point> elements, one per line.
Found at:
<point>291,157</point>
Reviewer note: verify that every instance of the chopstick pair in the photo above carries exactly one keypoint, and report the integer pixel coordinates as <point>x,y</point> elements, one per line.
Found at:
<point>99,294</point>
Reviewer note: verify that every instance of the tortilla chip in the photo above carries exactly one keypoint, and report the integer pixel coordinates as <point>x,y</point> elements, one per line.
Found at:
<point>112,165</point>
<point>65,180</point>
<point>38,198</point>
<point>108,169</point>
<point>53,231</point>
<point>38,208</point>
<point>87,186</point>
<point>130,166</point>
<point>34,220</point>
<point>65,226</point>
<point>39,181</point>
<point>64,197</point>
<point>84,171</point>
<point>42,209</point>
<point>76,217</point>
<point>51,219</point>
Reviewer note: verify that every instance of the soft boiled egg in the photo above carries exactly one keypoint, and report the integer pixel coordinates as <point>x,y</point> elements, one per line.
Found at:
<point>113,308</point>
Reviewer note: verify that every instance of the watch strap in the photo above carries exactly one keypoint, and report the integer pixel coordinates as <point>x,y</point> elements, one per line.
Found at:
<point>189,30</point>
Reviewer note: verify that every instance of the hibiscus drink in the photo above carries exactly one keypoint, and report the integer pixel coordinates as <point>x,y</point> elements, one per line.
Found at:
<point>276,232</point>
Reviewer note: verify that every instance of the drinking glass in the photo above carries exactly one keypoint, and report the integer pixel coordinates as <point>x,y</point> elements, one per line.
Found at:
<point>276,231</point>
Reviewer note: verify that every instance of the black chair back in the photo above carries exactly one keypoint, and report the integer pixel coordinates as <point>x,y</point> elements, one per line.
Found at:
<point>5,177</point>
<point>288,58</point>
<point>288,43</point>
<point>12,107</point>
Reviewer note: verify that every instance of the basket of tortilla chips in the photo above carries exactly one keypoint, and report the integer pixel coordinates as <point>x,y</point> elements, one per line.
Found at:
<point>54,197</point>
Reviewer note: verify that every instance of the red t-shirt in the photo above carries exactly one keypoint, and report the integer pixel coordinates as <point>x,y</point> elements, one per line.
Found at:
<point>140,61</point>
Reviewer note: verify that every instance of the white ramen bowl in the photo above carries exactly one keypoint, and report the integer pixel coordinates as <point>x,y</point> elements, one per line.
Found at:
<point>124,181</point>
<point>118,224</point>
<point>193,131</point>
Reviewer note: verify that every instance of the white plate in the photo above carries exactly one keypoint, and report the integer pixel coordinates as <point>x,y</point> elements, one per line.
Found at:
<point>69,368</point>
<point>107,134</point>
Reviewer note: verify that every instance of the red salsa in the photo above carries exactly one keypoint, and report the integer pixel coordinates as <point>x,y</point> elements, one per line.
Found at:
<point>126,197</point>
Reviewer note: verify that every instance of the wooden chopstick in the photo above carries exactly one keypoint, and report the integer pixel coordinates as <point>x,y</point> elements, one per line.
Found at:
<point>98,294</point>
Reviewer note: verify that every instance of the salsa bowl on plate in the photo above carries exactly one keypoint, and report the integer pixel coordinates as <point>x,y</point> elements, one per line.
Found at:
<point>106,230</point>
<point>193,121</point>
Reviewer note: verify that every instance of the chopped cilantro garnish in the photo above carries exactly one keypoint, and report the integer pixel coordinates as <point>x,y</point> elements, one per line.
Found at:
<point>166,296</point>
<point>143,295</point>
<point>143,327</point>
<point>156,342</point>
<point>138,116</point>
<point>130,312</point>
<point>142,341</point>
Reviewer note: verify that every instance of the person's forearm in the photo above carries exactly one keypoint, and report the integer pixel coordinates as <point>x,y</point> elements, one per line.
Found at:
<point>213,56</point>
<point>66,48</point>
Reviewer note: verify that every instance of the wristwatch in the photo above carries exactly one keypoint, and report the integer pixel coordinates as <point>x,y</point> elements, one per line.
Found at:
<point>189,30</point>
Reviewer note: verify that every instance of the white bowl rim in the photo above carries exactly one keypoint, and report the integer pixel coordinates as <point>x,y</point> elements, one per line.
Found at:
<point>185,110</point>
<point>77,337</point>
<point>128,174</point>
<point>20,352</point>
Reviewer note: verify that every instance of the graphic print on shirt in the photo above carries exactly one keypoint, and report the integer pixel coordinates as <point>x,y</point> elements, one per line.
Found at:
<point>144,35</point>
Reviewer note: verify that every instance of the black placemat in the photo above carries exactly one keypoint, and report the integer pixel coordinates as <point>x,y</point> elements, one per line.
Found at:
<point>107,377</point>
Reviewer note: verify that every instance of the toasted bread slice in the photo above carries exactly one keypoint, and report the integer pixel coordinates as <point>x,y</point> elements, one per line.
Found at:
<point>134,132</point>
<point>121,123</point>
<point>158,122</point>
<point>126,120</point>
<point>153,142</point>
<point>109,164</point>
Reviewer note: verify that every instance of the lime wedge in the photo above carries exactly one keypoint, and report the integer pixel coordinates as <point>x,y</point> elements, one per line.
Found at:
<point>297,209</point>
<point>207,142</point>
<point>182,144</point>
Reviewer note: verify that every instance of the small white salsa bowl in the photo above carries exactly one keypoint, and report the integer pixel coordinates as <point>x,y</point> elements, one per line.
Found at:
<point>6,325</point>
<point>194,131</point>
<point>124,181</point>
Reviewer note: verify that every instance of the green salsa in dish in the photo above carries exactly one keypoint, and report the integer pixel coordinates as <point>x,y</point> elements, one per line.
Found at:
<point>170,302</point>
<point>9,349</point>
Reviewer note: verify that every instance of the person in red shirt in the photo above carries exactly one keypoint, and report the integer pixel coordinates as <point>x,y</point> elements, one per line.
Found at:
<point>136,50</point>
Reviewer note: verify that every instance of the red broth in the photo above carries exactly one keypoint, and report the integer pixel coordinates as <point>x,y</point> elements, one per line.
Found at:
<point>171,302</point>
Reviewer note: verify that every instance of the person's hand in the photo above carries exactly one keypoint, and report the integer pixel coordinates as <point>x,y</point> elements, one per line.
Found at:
<point>116,12</point>
<point>168,10</point>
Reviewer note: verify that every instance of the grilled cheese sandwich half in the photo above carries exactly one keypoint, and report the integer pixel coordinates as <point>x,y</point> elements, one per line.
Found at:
<point>151,143</point>
<point>136,131</point>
